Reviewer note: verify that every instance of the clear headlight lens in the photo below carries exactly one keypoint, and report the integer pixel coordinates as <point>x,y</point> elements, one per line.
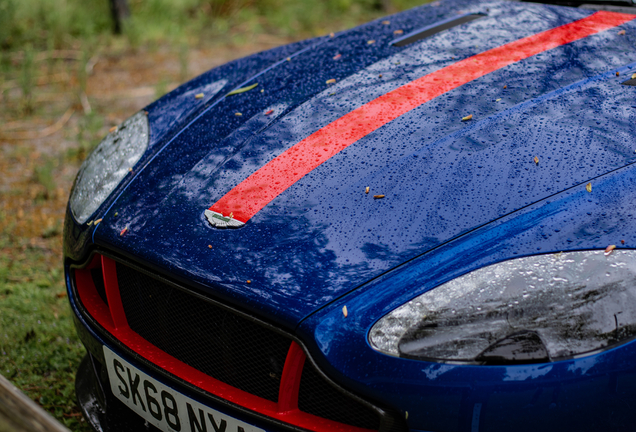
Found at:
<point>527,310</point>
<point>108,164</point>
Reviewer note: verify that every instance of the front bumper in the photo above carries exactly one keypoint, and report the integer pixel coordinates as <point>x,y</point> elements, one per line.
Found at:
<point>589,393</point>
<point>105,413</point>
<point>98,328</point>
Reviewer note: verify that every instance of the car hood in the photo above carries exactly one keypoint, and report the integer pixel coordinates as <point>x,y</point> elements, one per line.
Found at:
<point>541,125</point>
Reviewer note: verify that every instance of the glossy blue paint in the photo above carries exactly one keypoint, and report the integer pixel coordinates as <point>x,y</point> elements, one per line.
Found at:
<point>170,114</point>
<point>442,178</point>
<point>459,196</point>
<point>580,394</point>
<point>296,82</point>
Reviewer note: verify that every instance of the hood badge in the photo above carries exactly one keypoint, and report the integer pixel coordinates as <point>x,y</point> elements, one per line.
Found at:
<point>217,220</point>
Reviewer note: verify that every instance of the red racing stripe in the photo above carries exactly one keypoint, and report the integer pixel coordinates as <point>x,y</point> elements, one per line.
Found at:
<point>260,188</point>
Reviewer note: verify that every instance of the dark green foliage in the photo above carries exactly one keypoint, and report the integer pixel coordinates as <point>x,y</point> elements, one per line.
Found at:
<point>39,21</point>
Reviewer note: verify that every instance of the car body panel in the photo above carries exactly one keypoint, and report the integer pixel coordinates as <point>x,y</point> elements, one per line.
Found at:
<point>458,196</point>
<point>599,387</point>
<point>175,111</point>
<point>324,237</point>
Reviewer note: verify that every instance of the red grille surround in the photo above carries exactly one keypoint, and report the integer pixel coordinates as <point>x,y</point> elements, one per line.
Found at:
<point>112,318</point>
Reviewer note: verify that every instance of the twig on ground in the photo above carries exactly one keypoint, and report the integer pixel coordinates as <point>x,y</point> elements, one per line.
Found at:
<point>40,81</point>
<point>56,54</point>
<point>50,130</point>
<point>85,103</point>
<point>90,64</point>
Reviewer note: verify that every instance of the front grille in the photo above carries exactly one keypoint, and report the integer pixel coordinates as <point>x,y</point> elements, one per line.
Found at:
<point>319,398</point>
<point>219,343</point>
<point>98,279</point>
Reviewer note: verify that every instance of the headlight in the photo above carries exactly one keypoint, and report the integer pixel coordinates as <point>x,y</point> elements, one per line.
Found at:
<point>527,310</point>
<point>108,164</point>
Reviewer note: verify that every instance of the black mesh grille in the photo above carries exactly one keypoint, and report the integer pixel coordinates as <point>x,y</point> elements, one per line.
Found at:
<point>319,398</point>
<point>98,280</point>
<point>209,338</point>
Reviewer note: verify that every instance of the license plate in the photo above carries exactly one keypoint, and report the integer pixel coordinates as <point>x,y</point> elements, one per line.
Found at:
<point>162,406</point>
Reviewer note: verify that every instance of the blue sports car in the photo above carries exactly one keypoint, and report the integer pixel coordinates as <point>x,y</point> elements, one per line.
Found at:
<point>426,223</point>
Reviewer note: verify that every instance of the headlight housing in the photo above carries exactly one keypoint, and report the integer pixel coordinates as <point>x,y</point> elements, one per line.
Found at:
<point>108,164</point>
<point>527,310</point>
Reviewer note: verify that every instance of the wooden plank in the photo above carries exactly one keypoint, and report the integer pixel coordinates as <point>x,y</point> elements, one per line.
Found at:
<point>18,413</point>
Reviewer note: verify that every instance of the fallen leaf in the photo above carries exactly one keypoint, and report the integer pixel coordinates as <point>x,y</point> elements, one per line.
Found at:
<point>331,81</point>
<point>398,32</point>
<point>89,223</point>
<point>238,114</point>
<point>231,215</point>
<point>386,22</point>
<point>123,231</point>
<point>370,42</point>
<point>129,169</point>
<point>634,76</point>
<point>622,32</point>
<point>505,86</point>
<point>116,213</point>
<point>380,76</point>
<point>497,100</point>
<point>378,196</point>
<point>288,59</point>
<point>199,96</point>
<point>622,241</point>
<point>241,90</point>
<point>344,311</point>
<point>366,190</point>
<point>269,112</point>
<point>588,187</point>
<point>97,221</point>
<point>618,73</point>
<point>113,129</point>
<point>609,249</point>
<point>61,295</point>
<point>332,34</point>
<point>468,117</point>
<point>536,160</point>
<point>337,56</point>
<point>210,246</point>
<point>249,281</point>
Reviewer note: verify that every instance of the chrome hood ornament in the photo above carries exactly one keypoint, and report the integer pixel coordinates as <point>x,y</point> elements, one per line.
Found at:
<point>217,220</point>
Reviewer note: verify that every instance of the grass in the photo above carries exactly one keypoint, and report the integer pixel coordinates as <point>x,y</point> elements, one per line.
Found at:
<point>64,81</point>
<point>39,351</point>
